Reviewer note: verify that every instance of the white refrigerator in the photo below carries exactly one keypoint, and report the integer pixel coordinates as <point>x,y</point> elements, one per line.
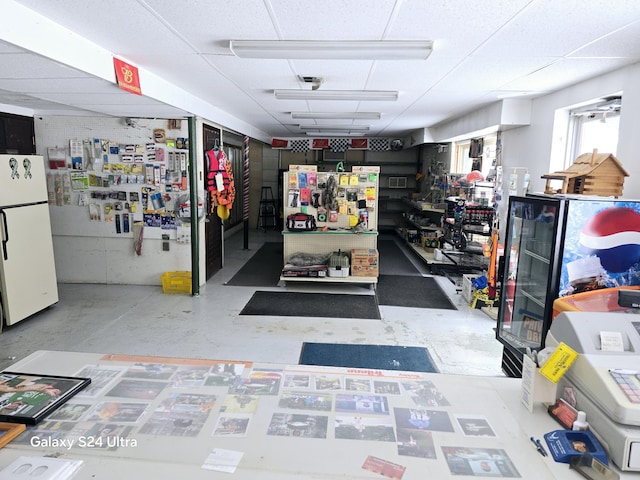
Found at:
<point>27,268</point>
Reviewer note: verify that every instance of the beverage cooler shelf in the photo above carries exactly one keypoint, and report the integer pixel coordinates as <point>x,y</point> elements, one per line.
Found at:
<point>551,252</point>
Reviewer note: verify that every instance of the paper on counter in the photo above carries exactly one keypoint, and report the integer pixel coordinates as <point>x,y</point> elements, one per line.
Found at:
<point>223,460</point>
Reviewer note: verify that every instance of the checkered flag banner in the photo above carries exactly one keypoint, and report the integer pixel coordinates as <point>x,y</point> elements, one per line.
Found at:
<point>379,144</point>
<point>300,146</point>
<point>339,145</point>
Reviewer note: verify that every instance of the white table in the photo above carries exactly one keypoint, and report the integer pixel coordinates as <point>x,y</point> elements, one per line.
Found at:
<point>162,456</point>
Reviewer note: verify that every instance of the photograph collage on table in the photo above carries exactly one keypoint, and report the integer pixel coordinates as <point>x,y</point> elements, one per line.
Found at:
<point>143,400</point>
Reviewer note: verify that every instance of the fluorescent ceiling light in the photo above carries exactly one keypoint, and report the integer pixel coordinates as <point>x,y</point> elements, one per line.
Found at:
<point>506,95</point>
<point>334,127</point>
<point>337,115</point>
<point>336,134</point>
<point>332,50</point>
<point>353,95</point>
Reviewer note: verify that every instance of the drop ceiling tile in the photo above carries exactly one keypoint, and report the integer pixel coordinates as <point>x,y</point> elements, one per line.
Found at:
<point>621,43</point>
<point>208,26</point>
<point>124,27</point>
<point>564,73</point>
<point>540,29</point>
<point>456,27</point>
<point>332,19</point>
<point>414,76</point>
<point>478,74</point>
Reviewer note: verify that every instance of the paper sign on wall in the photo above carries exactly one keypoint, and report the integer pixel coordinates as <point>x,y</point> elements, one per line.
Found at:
<point>127,76</point>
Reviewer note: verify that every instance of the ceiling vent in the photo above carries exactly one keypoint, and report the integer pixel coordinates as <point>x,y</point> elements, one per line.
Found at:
<point>315,82</point>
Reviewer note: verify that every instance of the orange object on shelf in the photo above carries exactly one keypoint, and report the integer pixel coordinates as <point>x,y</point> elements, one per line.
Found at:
<point>602,300</point>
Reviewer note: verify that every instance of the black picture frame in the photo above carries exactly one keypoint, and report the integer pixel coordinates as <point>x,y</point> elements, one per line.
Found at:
<point>29,397</point>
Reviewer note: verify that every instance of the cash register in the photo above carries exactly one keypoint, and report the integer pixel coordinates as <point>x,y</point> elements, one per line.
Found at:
<point>604,381</point>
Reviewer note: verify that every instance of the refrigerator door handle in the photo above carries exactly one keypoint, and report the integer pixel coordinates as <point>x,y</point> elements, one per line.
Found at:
<point>5,233</point>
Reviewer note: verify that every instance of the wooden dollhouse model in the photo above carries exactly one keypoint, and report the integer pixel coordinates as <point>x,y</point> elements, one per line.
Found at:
<point>590,174</point>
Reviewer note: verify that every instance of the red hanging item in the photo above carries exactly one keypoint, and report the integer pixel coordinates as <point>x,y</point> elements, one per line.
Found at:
<point>220,184</point>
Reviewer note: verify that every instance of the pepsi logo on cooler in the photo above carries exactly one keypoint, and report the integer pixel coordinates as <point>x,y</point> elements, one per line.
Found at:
<point>613,235</point>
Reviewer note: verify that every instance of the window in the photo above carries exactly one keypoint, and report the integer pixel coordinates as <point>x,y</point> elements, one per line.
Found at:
<point>594,126</point>
<point>464,164</point>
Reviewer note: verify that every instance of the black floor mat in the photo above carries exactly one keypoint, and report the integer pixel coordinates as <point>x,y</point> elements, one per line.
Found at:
<point>261,270</point>
<point>379,357</point>
<point>393,261</point>
<point>294,304</point>
<point>412,291</point>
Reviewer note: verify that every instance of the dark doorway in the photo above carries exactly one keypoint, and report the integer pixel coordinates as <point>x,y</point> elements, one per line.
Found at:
<point>213,225</point>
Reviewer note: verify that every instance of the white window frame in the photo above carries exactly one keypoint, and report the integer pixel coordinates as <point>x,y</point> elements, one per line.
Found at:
<point>578,119</point>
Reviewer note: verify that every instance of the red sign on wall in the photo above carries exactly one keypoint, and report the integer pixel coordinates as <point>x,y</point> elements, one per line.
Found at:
<point>127,76</point>
<point>279,143</point>
<point>320,143</point>
<point>360,143</point>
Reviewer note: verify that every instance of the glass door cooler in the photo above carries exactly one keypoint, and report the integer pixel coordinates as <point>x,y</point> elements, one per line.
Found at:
<point>558,245</point>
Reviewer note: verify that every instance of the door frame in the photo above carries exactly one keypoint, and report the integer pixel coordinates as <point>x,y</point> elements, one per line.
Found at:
<point>214,231</point>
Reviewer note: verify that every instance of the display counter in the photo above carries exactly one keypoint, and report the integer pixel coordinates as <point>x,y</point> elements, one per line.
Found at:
<point>601,300</point>
<point>168,418</point>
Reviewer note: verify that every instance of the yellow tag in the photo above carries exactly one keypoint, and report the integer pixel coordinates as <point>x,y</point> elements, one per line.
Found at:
<point>559,362</point>
<point>353,179</point>
<point>370,192</point>
<point>353,220</point>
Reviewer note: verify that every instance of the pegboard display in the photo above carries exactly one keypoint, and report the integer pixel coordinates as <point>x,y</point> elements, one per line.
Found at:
<point>337,200</point>
<point>106,175</point>
<point>344,206</point>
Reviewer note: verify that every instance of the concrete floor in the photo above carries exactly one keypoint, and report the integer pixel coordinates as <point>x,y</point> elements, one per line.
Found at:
<point>141,320</point>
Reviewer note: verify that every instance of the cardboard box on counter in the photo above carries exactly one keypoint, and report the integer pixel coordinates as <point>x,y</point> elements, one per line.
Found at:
<point>364,262</point>
<point>364,271</point>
